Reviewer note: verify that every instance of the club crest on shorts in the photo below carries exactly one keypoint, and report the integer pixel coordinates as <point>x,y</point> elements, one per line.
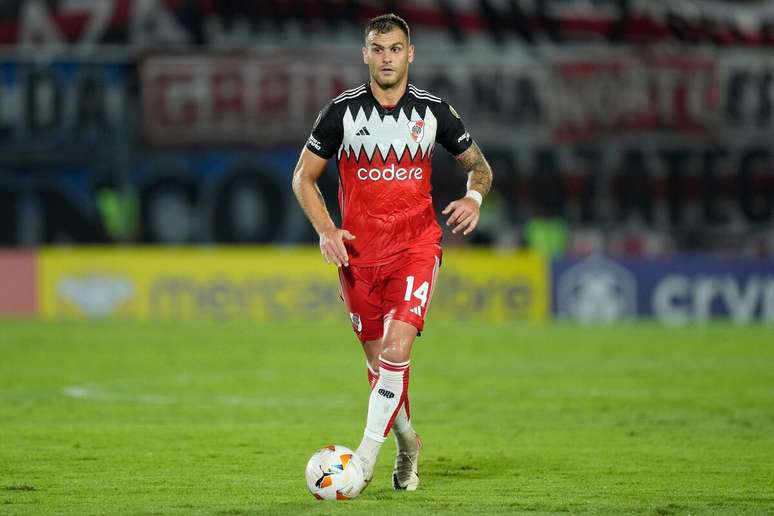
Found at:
<point>417,130</point>
<point>356,322</point>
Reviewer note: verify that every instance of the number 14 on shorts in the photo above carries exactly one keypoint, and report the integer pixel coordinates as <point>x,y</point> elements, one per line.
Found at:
<point>420,293</point>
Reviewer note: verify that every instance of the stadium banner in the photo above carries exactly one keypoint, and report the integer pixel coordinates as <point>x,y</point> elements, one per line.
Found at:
<point>265,284</point>
<point>554,96</point>
<point>671,121</point>
<point>491,286</point>
<point>18,283</point>
<point>668,122</point>
<point>61,110</point>
<point>138,24</point>
<point>679,290</point>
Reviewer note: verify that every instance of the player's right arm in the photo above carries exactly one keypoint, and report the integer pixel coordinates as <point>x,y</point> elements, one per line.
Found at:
<point>321,146</point>
<point>308,170</point>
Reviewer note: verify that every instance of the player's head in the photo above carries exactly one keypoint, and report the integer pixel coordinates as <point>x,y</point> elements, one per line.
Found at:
<point>388,49</point>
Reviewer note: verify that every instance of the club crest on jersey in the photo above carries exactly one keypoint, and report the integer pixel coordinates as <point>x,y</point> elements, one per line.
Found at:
<point>417,130</point>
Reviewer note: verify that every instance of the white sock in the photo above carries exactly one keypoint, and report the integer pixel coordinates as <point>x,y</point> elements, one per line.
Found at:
<point>405,437</point>
<point>387,397</point>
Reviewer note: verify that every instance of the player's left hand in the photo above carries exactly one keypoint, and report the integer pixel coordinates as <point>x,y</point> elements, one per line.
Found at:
<point>464,213</point>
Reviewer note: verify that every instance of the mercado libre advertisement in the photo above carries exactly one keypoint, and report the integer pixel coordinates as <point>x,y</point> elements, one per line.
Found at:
<point>264,284</point>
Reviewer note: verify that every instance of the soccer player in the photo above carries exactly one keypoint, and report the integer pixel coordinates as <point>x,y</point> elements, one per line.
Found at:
<point>388,247</point>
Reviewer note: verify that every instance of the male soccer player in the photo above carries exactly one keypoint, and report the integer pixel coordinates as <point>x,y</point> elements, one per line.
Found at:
<point>387,250</point>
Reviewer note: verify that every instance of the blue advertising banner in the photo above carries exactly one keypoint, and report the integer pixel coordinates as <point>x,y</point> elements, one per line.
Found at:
<point>677,291</point>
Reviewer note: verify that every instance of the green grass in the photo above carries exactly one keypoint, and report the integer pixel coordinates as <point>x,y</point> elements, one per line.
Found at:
<point>115,418</point>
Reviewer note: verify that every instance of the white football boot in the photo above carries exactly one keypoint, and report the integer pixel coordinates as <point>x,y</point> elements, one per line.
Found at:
<point>366,474</point>
<point>405,475</point>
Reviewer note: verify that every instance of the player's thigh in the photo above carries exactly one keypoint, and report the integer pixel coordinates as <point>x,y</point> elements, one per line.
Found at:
<point>362,302</point>
<point>408,289</point>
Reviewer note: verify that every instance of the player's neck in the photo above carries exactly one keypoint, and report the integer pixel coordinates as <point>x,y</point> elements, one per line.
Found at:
<point>389,97</point>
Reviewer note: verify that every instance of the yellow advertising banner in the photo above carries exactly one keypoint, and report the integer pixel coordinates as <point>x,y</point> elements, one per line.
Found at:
<point>267,283</point>
<point>491,286</point>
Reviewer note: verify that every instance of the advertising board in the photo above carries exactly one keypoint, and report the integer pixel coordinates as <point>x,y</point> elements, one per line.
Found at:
<point>263,284</point>
<point>677,291</point>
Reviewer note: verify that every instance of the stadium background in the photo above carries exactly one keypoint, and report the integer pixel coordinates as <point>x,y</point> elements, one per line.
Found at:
<point>634,133</point>
<point>171,341</point>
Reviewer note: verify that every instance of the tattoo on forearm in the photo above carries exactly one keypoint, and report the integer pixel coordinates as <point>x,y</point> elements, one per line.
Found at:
<point>479,171</point>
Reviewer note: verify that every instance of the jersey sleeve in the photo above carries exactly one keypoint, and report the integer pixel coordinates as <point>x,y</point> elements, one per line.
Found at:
<point>326,133</point>
<point>451,132</point>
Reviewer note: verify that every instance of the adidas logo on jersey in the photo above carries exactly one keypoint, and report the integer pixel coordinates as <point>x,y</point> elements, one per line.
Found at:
<point>417,310</point>
<point>363,132</point>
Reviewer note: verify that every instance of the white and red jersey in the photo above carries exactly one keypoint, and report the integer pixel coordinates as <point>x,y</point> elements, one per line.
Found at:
<point>384,157</point>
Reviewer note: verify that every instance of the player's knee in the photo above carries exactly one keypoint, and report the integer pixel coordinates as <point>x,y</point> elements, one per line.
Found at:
<point>396,349</point>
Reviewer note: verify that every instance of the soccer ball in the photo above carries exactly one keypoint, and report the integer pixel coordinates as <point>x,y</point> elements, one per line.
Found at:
<point>334,473</point>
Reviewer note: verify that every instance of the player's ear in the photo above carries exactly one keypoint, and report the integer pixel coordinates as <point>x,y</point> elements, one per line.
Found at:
<point>411,54</point>
<point>365,55</point>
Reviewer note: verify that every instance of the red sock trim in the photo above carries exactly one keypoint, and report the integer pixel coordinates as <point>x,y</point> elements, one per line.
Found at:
<point>372,377</point>
<point>392,367</point>
<point>403,398</point>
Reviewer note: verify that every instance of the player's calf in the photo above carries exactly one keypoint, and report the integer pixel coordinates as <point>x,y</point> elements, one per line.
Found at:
<point>385,402</point>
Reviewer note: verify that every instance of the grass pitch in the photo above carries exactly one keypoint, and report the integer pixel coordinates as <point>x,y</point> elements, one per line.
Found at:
<point>121,418</point>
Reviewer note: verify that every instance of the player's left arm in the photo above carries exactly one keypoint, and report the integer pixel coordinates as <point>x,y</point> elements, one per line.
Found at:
<point>464,213</point>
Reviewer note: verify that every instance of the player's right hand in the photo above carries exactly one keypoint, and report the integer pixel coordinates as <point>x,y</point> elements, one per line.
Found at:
<point>332,246</point>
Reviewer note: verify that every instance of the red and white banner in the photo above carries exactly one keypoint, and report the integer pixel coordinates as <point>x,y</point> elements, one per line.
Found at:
<point>259,101</point>
<point>165,24</point>
<point>563,97</point>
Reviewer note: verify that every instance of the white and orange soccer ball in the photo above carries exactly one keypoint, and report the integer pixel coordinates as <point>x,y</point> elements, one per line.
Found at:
<point>334,473</point>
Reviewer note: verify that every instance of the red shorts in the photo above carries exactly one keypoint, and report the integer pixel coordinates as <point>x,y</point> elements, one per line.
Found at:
<point>401,290</point>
